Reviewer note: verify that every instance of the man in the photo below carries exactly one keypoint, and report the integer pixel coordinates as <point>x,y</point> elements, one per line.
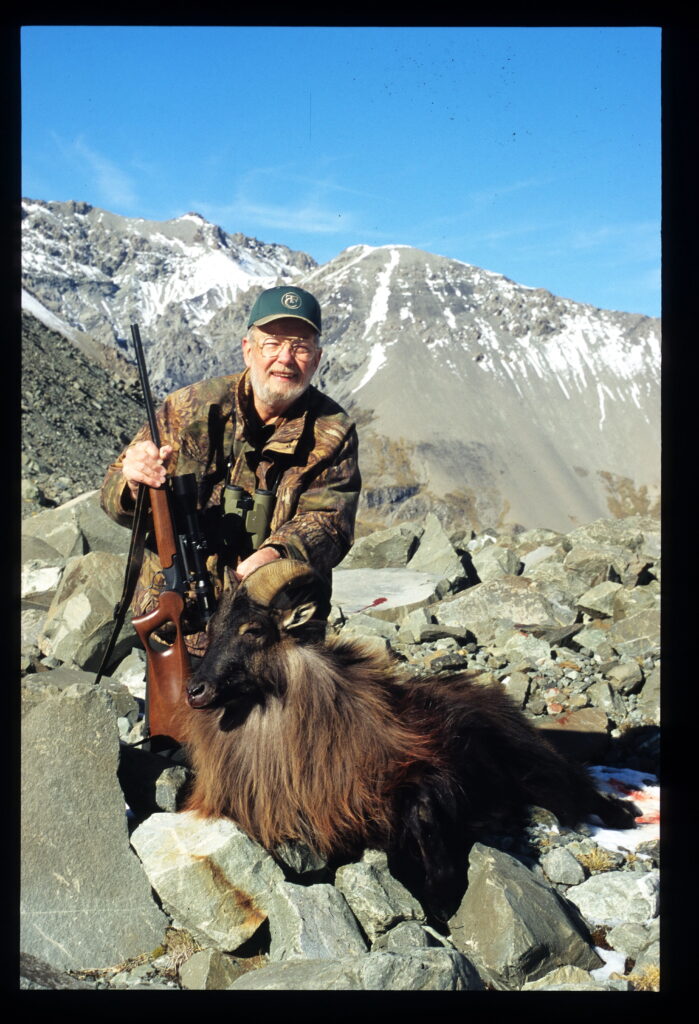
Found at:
<point>267,428</point>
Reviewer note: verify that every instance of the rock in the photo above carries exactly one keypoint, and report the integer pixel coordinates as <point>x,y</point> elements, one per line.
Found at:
<point>632,938</point>
<point>37,974</point>
<point>514,927</point>
<point>301,862</point>
<point>378,901</point>
<point>149,782</point>
<point>599,600</point>
<point>636,636</point>
<point>311,923</point>
<point>625,677</point>
<point>406,936</point>
<point>81,617</point>
<point>583,734</point>
<point>384,549</point>
<point>389,594</point>
<point>436,555</point>
<point>517,686</point>
<point>494,561</point>
<point>561,866</point>
<point>615,897</point>
<point>209,969</point>
<point>208,874</point>
<point>39,582</point>
<point>425,970</point>
<point>487,607</point>
<point>649,697</point>
<point>569,979</point>
<point>84,899</point>
<point>58,529</point>
<point>99,531</point>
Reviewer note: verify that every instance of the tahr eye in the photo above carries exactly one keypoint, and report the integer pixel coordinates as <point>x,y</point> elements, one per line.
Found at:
<point>251,628</point>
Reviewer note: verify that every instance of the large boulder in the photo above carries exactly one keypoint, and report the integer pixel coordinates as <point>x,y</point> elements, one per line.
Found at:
<point>209,875</point>
<point>81,617</point>
<point>84,898</point>
<point>514,927</point>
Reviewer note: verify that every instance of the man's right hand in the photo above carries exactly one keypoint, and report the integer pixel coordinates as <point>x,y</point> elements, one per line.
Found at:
<point>143,464</point>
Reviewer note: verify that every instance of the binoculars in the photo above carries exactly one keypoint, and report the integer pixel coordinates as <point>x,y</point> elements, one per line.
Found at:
<point>254,511</point>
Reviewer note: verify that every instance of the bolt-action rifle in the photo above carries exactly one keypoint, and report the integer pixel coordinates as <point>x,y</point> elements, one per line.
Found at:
<point>188,593</point>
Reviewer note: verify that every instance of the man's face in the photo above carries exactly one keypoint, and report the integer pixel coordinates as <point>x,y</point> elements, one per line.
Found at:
<point>280,378</point>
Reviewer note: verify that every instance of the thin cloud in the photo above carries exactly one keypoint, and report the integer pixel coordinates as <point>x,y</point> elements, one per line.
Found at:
<point>114,186</point>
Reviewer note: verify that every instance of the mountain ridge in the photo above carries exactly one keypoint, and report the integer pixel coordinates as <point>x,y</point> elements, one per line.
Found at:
<point>481,399</point>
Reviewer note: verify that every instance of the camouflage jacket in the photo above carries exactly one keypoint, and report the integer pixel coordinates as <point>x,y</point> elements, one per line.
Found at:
<point>311,452</point>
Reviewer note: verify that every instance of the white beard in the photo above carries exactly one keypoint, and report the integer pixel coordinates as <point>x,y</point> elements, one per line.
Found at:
<point>271,393</point>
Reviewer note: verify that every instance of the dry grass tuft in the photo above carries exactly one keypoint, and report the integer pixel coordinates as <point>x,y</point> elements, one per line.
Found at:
<point>646,979</point>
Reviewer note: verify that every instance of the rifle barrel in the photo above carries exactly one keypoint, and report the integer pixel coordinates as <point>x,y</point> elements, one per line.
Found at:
<point>143,374</point>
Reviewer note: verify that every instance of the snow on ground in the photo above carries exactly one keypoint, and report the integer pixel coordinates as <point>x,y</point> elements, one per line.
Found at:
<point>640,788</point>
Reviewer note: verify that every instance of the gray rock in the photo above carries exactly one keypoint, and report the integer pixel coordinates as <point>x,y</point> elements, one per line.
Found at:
<point>150,782</point>
<point>301,860</point>
<point>377,899</point>
<point>649,697</point>
<point>99,531</point>
<point>599,600</point>
<point>406,936</point>
<point>561,866</point>
<point>58,529</point>
<point>486,607</point>
<point>436,555</point>
<point>425,970</point>
<point>632,938</point>
<point>514,927</point>
<point>369,625</point>
<point>626,677</point>
<point>517,686</point>
<point>209,969</point>
<point>636,635</point>
<point>384,549</point>
<point>39,582</point>
<point>596,563</point>
<point>494,561</point>
<point>84,899</point>
<point>208,874</point>
<point>37,974</point>
<point>81,617</point>
<point>530,559</point>
<point>389,594</point>
<point>573,979</point>
<point>617,897</point>
<point>311,923</point>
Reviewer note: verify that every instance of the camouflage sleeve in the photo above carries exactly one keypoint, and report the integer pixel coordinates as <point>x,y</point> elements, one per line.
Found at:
<point>115,496</point>
<point>322,529</point>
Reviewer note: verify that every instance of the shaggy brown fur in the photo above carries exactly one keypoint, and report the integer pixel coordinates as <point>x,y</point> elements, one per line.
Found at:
<point>328,743</point>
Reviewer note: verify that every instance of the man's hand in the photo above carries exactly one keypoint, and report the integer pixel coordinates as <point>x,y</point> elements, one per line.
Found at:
<point>143,464</point>
<point>255,560</point>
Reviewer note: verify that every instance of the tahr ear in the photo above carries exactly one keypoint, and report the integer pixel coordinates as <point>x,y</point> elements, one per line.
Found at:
<point>298,616</point>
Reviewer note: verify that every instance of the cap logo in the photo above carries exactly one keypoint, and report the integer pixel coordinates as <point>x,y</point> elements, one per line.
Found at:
<point>291,300</point>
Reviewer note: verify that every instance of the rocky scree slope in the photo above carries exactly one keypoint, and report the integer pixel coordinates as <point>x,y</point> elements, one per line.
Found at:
<point>568,623</point>
<point>76,417</point>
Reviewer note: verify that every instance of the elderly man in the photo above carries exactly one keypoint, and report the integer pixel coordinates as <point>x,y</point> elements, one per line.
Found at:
<point>264,429</point>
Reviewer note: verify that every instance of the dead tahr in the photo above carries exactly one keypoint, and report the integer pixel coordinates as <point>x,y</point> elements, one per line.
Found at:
<point>296,736</point>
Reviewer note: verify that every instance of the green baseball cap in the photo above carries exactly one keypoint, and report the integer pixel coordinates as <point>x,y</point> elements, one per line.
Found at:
<point>285,300</point>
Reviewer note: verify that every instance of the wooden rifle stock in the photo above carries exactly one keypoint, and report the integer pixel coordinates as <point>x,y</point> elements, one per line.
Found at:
<point>168,667</point>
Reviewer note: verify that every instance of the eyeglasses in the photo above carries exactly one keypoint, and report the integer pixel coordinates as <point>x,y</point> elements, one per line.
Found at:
<point>299,349</point>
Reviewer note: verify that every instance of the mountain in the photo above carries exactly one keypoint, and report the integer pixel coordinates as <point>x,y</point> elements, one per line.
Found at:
<point>478,398</point>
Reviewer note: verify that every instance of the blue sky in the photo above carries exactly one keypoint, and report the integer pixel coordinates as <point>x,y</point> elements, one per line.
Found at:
<point>532,152</point>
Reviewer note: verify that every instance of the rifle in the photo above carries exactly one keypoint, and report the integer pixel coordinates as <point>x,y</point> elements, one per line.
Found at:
<point>182,553</point>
